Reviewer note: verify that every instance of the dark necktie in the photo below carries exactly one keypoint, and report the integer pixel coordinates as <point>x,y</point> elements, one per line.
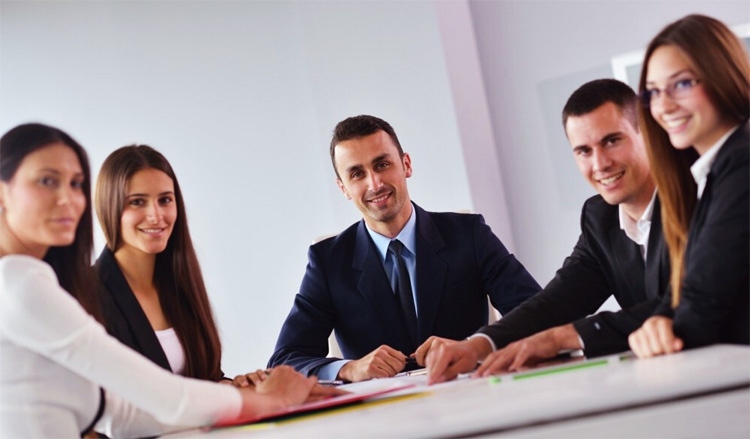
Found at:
<point>403,290</point>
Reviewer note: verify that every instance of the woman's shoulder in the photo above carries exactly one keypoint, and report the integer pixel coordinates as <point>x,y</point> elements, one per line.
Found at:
<point>19,272</point>
<point>736,148</point>
<point>25,282</point>
<point>22,265</point>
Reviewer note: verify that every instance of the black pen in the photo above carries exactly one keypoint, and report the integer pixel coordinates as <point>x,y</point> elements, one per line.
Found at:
<point>330,383</point>
<point>411,363</point>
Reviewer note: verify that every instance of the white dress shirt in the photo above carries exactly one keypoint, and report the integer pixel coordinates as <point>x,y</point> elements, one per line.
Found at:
<point>638,231</point>
<point>54,356</point>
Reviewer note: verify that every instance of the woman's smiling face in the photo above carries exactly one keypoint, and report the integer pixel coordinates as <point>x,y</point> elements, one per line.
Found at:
<point>691,118</point>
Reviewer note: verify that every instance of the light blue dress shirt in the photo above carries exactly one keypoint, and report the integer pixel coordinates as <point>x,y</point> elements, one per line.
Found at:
<point>408,238</point>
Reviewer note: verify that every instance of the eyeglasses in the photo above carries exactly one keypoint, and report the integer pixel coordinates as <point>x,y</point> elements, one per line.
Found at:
<point>677,90</point>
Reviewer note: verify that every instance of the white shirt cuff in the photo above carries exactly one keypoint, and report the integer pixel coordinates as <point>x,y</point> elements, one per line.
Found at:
<point>486,337</point>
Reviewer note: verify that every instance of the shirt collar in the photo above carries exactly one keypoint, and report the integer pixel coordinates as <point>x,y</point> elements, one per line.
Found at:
<point>407,236</point>
<point>645,216</point>
<point>702,167</point>
<point>628,224</point>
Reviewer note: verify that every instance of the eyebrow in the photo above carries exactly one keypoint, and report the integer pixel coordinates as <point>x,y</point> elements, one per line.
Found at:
<point>380,157</point>
<point>674,75</point>
<point>601,141</point>
<point>146,195</point>
<point>610,136</point>
<point>57,172</point>
<point>580,147</point>
<point>373,161</point>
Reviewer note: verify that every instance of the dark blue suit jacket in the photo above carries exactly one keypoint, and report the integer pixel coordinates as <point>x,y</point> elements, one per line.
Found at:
<point>459,263</point>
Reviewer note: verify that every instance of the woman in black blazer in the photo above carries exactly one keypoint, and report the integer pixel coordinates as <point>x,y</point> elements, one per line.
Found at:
<point>152,292</point>
<point>696,94</point>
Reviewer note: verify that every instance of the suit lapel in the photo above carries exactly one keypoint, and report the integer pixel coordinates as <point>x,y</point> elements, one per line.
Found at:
<point>431,272</point>
<point>374,286</point>
<point>657,260</point>
<point>738,139</point>
<point>699,214</point>
<point>131,310</point>
<point>628,257</point>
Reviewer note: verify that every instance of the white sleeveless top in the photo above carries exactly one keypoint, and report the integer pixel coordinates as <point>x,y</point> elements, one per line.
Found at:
<point>170,343</point>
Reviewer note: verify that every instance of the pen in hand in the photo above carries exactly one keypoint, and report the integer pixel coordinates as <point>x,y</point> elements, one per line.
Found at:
<point>411,364</point>
<point>330,383</point>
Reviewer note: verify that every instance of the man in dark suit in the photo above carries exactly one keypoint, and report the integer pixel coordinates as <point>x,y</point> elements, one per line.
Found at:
<point>395,278</point>
<point>621,251</point>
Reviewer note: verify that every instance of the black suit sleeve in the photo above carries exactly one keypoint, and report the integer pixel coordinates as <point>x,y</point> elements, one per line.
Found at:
<point>577,290</point>
<point>505,280</point>
<point>664,307</point>
<point>607,332</point>
<point>303,340</point>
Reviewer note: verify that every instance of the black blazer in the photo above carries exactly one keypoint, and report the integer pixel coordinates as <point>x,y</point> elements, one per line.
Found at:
<point>459,263</point>
<point>604,262</point>
<point>714,304</point>
<point>124,317</point>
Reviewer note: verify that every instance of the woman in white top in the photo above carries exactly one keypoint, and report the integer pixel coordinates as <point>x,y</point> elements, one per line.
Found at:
<point>54,355</point>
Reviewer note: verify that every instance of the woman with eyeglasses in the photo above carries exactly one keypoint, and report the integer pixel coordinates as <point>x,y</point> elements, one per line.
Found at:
<point>60,373</point>
<point>695,87</point>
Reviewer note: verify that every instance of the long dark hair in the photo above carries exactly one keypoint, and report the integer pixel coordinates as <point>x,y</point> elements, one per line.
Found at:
<point>719,59</point>
<point>72,263</point>
<point>177,274</point>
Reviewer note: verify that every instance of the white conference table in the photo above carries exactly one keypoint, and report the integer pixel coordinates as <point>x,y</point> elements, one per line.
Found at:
<point>698,393</point>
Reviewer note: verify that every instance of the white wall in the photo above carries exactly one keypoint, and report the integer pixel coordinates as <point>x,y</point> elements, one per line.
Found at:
<point>241,97</point>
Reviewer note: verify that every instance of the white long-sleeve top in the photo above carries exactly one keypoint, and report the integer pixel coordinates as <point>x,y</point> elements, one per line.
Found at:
<point>54,356</point>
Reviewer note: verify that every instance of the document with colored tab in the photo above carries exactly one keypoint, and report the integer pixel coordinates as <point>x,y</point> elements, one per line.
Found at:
<point>336,401</point>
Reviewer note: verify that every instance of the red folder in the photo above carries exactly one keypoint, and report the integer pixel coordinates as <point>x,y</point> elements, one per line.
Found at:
<point>336,401</point>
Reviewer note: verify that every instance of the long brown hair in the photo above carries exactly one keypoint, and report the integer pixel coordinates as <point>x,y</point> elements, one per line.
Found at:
<point>719,59</point>
<point>177,274</point>
<point>72,263</point>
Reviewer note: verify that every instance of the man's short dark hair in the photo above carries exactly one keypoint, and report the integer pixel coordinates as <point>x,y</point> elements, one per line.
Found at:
<point>598,92</point>
<point>361,126</point>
